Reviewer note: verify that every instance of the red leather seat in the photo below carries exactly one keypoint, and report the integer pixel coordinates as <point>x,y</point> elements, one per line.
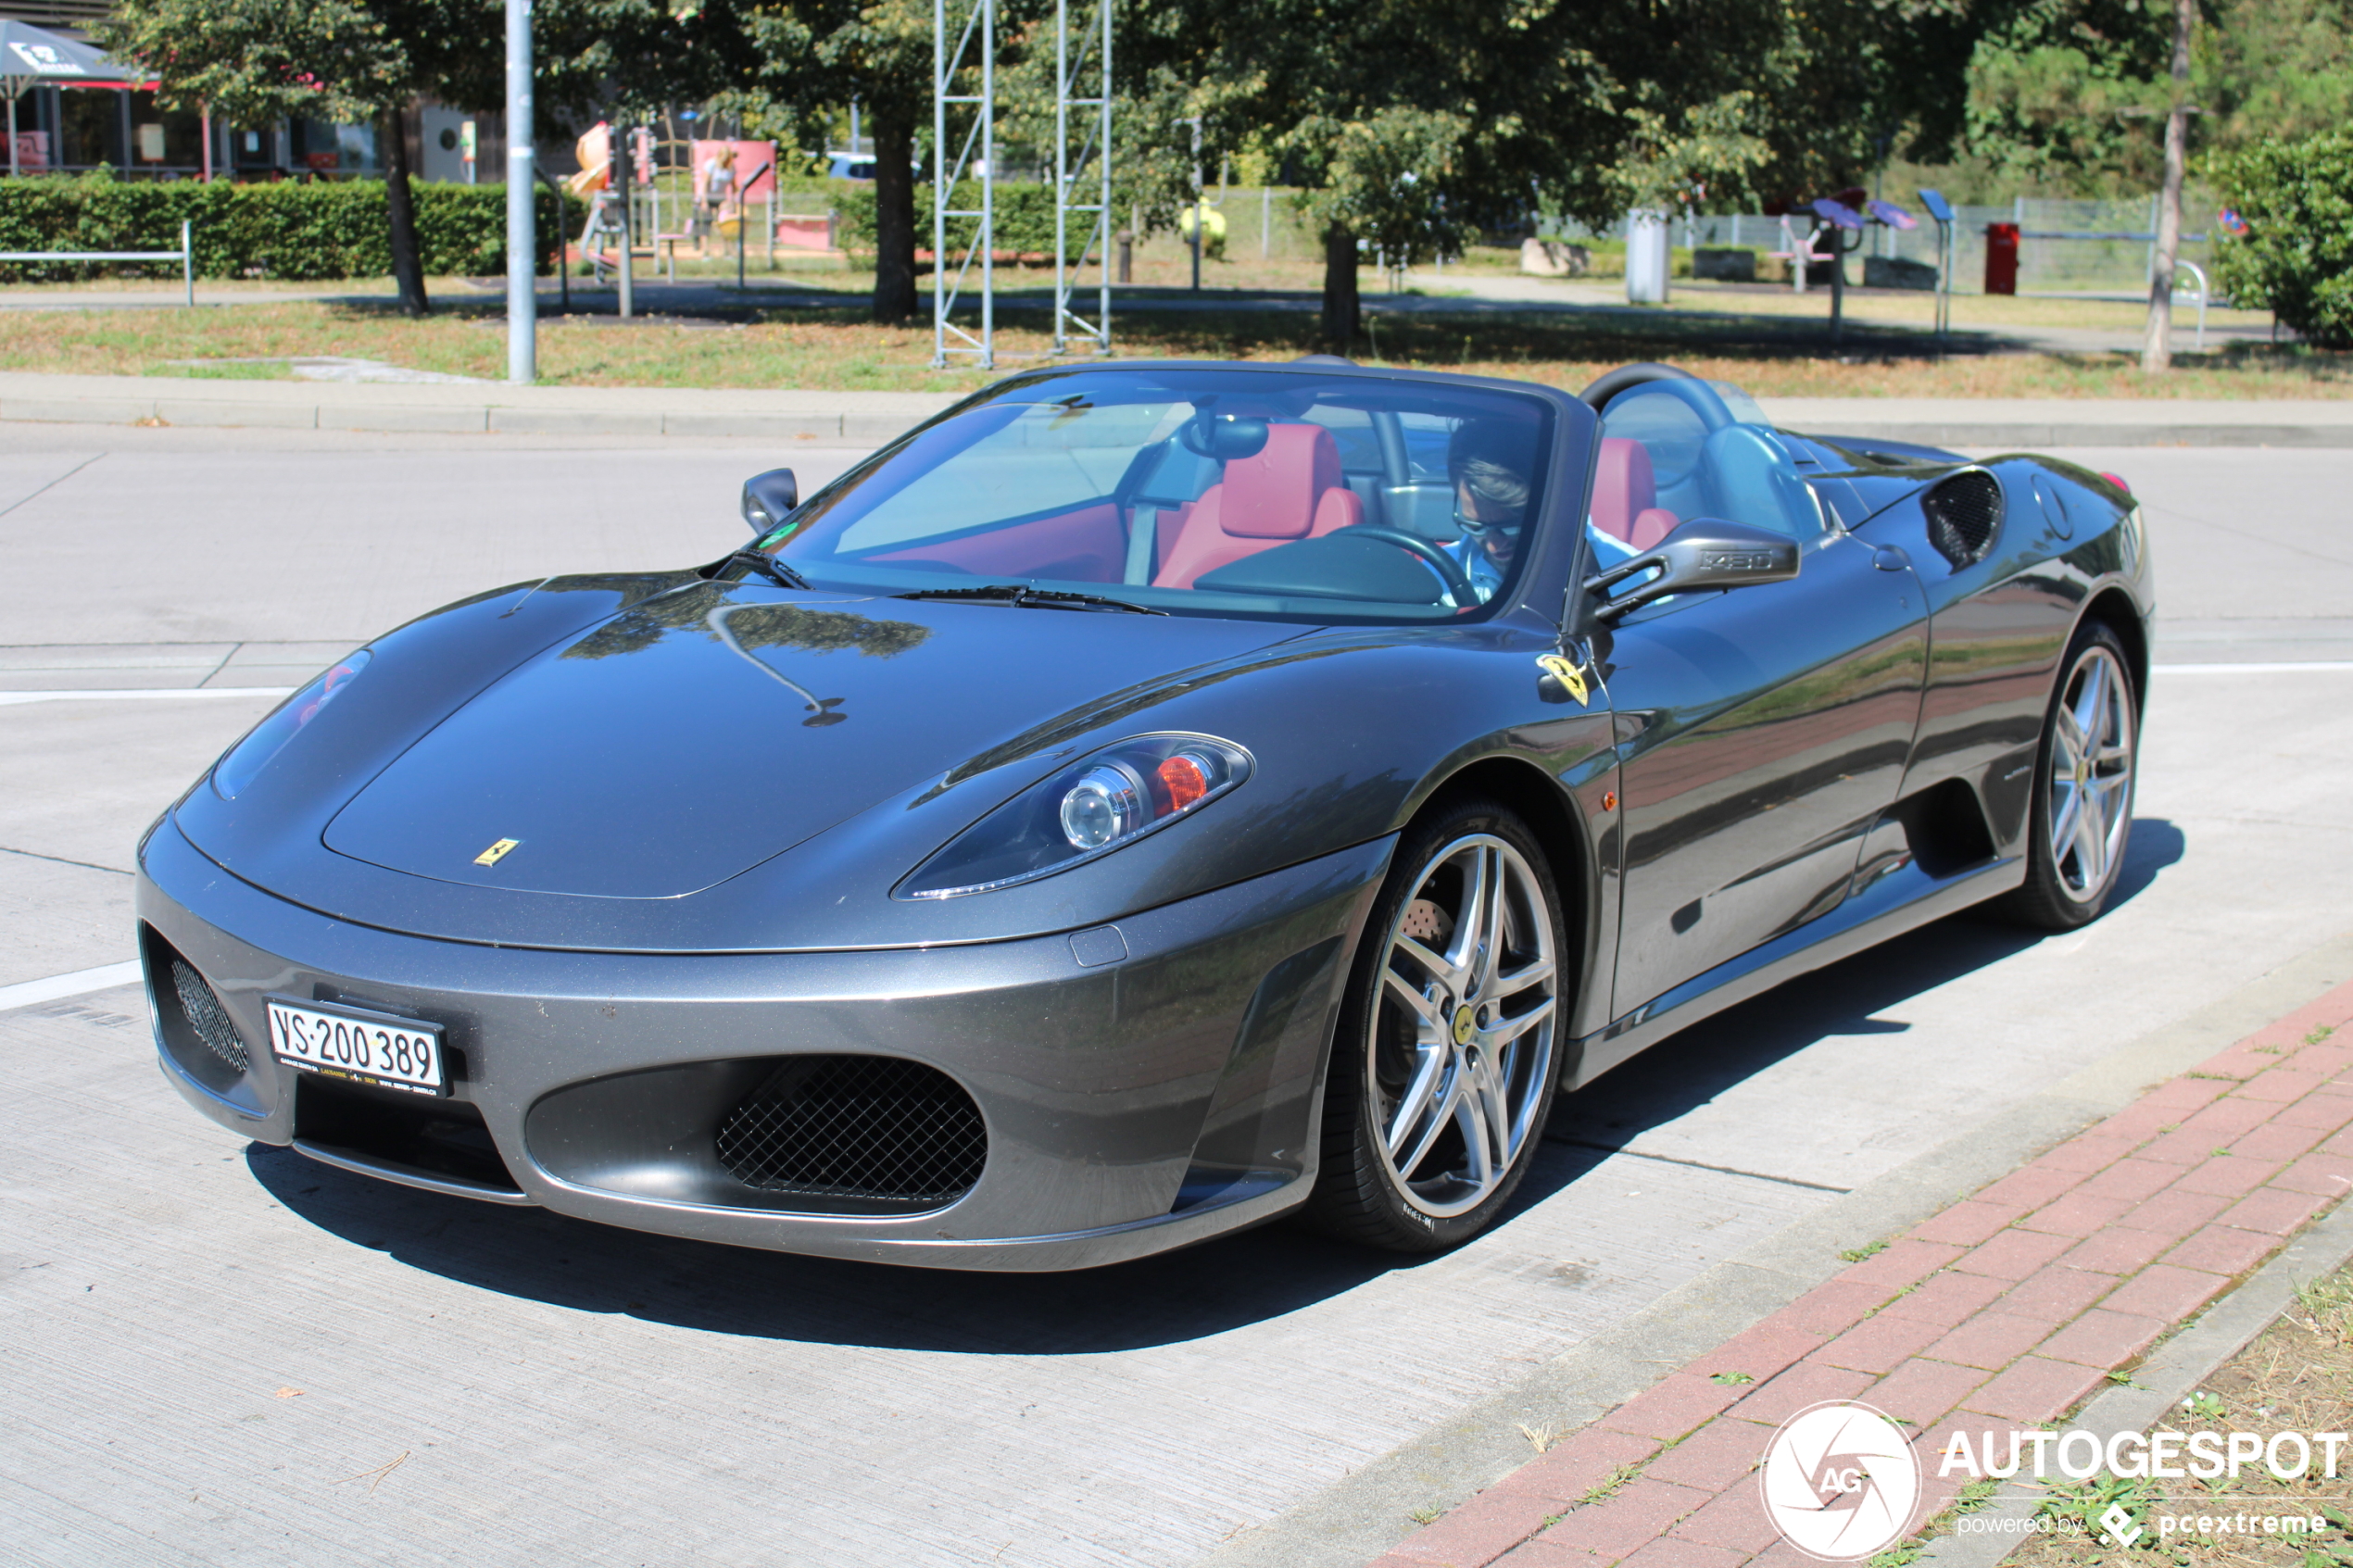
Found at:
<point>1626,495</point>
<point>1291,489</point>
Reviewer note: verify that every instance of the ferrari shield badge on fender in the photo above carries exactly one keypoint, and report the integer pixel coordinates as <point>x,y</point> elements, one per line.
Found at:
<point>1565,673</point>
<point>491,856</point>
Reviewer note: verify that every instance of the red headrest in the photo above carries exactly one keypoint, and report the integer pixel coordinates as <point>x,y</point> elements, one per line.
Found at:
<point>1273,494</point>
<point>1623,487</point>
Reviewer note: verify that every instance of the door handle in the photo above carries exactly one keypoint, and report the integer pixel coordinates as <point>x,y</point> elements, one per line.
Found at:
<point>1891,558</point>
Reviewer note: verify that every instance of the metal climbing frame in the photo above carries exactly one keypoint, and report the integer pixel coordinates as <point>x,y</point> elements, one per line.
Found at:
<point>1069,68</point>
<point>947,338</point>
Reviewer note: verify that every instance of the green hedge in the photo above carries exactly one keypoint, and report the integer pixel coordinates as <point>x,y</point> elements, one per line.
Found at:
<point>326,229</point>
<point>1025,218</point>
<point>2297,258</point>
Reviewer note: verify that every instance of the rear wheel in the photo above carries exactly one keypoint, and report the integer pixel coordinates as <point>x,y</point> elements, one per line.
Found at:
<point>2083,776</point>
<point>1445,1060</point>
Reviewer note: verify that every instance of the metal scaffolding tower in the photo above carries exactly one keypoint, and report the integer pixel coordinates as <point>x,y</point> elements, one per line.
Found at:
<point>947,338</point>
<point>1095,146</point>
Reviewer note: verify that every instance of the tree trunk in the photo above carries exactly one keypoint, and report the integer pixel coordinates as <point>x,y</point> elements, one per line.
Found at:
<point>407,267</point>
<point>1340,314</point>
<point>2156,347</point>
<point>894,216</point>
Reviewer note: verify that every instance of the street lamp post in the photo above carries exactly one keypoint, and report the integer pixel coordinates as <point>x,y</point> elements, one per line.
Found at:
<point>523,292</point>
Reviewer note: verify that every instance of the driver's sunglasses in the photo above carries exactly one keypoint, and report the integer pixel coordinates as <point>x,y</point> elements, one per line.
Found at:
<point>1472,527</point>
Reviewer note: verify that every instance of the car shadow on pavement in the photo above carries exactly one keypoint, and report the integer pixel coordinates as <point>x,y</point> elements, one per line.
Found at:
<point>530,1253</point>
<point>1843,998</point>
<point>1212,1289</point>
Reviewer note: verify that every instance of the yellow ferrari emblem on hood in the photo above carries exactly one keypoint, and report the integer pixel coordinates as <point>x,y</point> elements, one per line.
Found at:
<point>1568,673</point>
<point>491,856</point>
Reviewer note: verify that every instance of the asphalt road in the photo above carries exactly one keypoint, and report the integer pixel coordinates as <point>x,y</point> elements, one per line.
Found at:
<point>216,1352</point>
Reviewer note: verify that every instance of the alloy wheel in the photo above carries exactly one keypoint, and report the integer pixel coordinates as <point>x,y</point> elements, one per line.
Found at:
<point>2091,780</point>
<point>1461,1059</point>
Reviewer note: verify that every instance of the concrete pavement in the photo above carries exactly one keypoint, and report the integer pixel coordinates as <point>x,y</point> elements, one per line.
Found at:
<point>566,1393</point>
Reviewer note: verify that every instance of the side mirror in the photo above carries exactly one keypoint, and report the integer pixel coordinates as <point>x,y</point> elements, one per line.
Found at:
<point>769,499</point>
<point>1704,553</point>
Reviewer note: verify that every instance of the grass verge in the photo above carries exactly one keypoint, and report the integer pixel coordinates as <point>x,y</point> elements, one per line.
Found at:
<point>830,348</point>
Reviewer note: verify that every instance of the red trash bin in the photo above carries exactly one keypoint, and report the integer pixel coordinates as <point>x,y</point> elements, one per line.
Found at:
<point>2000,258</point>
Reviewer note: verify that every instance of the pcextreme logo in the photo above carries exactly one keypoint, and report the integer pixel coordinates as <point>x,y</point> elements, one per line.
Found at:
<point>1840,1482</point>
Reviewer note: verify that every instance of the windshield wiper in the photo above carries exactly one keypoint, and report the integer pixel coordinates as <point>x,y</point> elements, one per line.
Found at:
<point>770,567</point>
<point>1024,598</point>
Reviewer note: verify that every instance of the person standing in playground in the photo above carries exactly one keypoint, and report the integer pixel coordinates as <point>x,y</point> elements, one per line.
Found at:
<point>714,189</point>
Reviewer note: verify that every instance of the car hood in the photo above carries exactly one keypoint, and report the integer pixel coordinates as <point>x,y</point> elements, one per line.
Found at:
<point>705,730</point>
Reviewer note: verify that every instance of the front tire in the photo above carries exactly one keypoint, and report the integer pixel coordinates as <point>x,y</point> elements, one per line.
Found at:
<point>2082,816</point>
<point>1446,1057</point>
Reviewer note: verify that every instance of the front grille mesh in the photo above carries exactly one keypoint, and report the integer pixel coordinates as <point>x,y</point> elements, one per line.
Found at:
<point>867,1127</point>
<point>1963,513</point>
<point>207,1017</point>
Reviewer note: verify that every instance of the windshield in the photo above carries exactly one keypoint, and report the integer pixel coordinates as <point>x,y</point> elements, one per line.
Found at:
<point>1206,492</point>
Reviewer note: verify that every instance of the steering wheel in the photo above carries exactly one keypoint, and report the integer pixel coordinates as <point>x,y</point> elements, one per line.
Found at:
<point>1680,384</point>
<point>1458,582</point>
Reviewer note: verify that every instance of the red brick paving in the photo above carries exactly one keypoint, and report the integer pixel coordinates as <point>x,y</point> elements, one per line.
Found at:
<point>1878,1344</point>
<point>2104,1339</point>
<point>2167,1292</point>
<point>1947,1299</point>
<point>1922,1391</point>
<point>2132,1178</point>
<point>2014,1254</point>
<point>2175,1211</point>
<point>2035,1389</point>
<point>1991,1341</point>
<point>2011,1305</point>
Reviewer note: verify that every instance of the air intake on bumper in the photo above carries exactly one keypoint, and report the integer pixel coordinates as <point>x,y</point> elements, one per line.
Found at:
<point>206,1016</point>
<point>870,1127</point>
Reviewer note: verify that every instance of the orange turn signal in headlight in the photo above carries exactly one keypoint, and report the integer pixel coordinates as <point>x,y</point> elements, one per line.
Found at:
<point>1185,779</point>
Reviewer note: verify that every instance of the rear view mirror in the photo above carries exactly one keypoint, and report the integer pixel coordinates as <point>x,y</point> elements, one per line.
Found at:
<point>1705,553</point>
<point>1225,437</point>
<point>769,499</point>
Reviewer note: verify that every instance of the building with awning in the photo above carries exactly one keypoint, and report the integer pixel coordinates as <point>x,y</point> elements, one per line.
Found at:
<point>34,59</point>
<point>71,109</point>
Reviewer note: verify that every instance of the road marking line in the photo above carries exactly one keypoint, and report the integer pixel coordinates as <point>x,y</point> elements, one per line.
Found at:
<point>105,977</point>
<point>2284,668</point>
<point>9,699</point>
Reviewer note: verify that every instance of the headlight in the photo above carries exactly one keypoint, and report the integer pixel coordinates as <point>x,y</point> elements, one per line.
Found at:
<point>235,771</point>
<point>1091,807</point>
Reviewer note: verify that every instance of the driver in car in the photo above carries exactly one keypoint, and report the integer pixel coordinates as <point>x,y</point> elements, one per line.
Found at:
<point>1488,462</point>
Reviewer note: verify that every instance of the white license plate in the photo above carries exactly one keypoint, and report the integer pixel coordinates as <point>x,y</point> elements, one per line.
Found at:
<point>399,1053</point>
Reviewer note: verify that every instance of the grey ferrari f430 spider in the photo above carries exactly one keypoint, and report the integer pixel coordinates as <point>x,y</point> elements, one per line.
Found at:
<point>1144,800</point>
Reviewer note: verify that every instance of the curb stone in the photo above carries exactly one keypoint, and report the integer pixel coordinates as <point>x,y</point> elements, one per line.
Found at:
<point>870,417</point>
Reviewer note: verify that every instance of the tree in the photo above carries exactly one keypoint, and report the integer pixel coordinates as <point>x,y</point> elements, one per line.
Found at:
<point>1414,126</point>
<point>254,61</point>
<point>2157,344</point>
<point>2062,90</point>
<point>363,61</point>
<point>816,56</point>
<point>2296,256</point>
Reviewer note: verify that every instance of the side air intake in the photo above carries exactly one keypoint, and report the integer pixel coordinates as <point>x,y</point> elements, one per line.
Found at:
<point>1964,515</point>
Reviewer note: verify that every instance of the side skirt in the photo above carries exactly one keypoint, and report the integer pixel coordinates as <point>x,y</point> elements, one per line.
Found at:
<point>1895,904</point>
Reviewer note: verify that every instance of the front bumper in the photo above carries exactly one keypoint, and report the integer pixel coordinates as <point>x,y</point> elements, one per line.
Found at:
<point>1131,1106</point>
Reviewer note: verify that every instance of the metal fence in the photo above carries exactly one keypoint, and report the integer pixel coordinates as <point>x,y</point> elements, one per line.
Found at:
<point>2064,247</point>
